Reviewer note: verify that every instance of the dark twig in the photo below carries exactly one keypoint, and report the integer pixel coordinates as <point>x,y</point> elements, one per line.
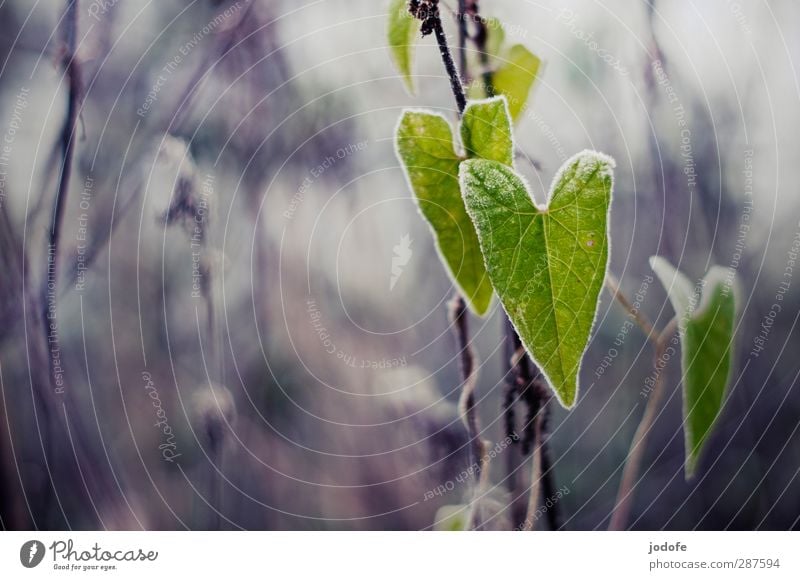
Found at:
<point>428,12</point>
<point>463,34</point>
<point>447,59</point>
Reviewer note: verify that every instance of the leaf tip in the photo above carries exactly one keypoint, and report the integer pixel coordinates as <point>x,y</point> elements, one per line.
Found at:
<point>408,83</point>
<point>480,307</point>
<point>689,468</point>
<point>724,276</point>
<point>589,159</point>
<point>568,401</point>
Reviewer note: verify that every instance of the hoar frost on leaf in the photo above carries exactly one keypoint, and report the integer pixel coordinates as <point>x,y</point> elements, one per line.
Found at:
<point>547,265</point>
<point>426,149</point>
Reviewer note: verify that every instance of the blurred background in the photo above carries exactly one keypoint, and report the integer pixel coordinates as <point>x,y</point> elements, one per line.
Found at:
<point>221,338</point>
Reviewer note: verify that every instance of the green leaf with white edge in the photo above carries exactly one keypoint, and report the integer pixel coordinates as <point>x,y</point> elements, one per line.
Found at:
<point>515,78</point>
<point>402,32</point>
<point>486,131</point>
<point>547,265</point>
<point>451,518</point>
<point>706,321</point>
<point>425,147</point>
<point>426,150</point>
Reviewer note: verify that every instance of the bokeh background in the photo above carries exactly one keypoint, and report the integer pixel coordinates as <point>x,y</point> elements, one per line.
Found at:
<point>262,369</point>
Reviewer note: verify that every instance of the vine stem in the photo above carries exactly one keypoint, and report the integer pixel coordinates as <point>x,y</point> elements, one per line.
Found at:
<point>536,474</point>
<point>531,388</point>
<point>457,307</point>
<point>457,314</point>
<point>524,377</point>
<point>513,460</point>
<point>462,40</point>
<point>630,473</point>
<point>522,374</point>
<point>613,286</point>
<point>458,318</point>
<point>435,22</point>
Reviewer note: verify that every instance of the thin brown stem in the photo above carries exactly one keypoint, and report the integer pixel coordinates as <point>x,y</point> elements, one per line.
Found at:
<point>536,475</point>
<point>641,319</point>
<point>630,474</point>
<point>467,404</point>
<point>521,373</point>
<point>428,12</point>
<point>458,318</point>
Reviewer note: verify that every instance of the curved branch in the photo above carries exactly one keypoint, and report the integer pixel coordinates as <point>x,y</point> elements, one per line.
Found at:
<point>630,474</point>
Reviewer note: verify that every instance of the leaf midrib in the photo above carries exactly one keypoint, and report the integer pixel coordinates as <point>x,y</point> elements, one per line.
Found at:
<point>552,295</point>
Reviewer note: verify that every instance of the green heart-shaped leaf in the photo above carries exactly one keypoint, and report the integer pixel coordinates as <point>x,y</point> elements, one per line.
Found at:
<point>706,327</point>
<point>426,149</point>
<point>546,264</point>
<point>402,31</point>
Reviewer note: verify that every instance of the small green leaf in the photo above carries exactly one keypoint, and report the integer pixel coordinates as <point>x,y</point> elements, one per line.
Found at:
<point>706,327</point>
<point>546,265</point>
<point>486,131</point>
<point>425,147</point>
<point>402,32</point>
<point>515,78</point>
<point>451,518</point>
